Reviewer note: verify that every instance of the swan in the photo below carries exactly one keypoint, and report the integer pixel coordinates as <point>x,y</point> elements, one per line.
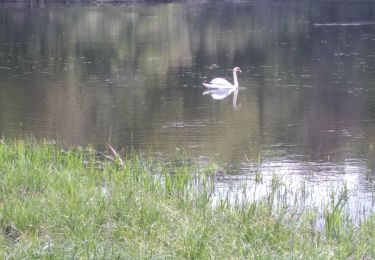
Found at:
<point>223,83</point>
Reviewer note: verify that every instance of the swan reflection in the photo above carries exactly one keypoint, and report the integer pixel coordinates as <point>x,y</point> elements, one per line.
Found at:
<point>219,94</point>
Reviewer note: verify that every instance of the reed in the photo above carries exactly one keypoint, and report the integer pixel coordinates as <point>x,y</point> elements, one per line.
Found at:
<point>58,202</point>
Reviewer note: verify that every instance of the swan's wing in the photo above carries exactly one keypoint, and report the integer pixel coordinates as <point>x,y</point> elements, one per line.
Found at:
<point>219,83</point>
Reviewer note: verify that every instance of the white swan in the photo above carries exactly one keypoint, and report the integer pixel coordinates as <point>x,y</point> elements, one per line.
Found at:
<point>223,83</point>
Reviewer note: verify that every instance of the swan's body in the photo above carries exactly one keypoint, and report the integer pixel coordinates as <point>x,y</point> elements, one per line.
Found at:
<point>220,83</point>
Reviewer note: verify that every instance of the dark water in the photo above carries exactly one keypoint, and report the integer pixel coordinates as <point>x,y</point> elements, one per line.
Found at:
<point>132,75</point>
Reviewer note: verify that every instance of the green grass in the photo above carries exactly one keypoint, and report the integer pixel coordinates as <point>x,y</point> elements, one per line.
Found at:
<point>60,202</point>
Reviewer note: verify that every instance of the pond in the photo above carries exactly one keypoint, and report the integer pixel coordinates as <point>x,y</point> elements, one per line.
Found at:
<point>132,75</point>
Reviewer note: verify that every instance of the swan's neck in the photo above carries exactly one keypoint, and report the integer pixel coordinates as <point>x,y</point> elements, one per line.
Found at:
<point>235,81</point>
<point>235,95</point>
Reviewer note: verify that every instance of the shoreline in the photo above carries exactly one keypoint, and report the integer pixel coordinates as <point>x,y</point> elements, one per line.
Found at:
<point>59,202</point>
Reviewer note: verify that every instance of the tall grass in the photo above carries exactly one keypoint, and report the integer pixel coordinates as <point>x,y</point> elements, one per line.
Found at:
<point>75,203</point>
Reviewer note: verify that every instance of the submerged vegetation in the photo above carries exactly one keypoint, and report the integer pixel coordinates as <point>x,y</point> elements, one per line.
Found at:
<point>76,202</point>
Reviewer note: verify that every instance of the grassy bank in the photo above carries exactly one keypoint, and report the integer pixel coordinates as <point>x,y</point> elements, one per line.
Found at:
<point>57,202</point>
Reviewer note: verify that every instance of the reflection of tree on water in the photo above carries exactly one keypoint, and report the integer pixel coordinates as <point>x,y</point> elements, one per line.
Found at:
<point>123,66</point>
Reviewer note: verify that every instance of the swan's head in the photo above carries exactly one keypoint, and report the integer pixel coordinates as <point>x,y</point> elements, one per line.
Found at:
<point>237,69</point>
